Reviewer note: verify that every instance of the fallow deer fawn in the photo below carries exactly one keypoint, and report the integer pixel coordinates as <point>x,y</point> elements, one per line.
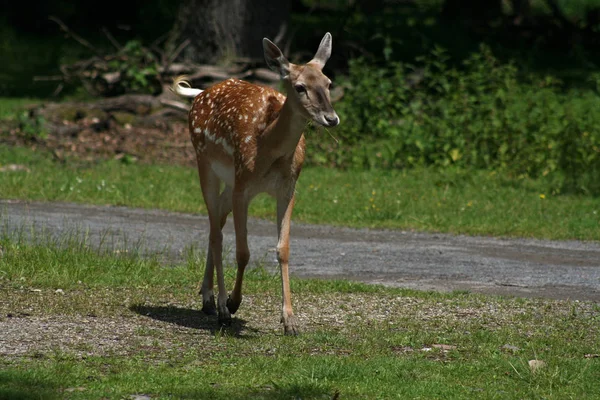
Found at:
<point>250,138</point>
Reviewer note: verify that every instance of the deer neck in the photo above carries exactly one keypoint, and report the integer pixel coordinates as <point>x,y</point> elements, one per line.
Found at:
<point>286,131</point>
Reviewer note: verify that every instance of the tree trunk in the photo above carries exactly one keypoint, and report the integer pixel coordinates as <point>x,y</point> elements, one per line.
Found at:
<point>221,30</point>
<point>521,11</point>
<point>521,8</point>
<point>474,12</point>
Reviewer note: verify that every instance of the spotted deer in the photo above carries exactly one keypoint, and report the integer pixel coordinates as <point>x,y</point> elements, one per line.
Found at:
<point>250,138</point>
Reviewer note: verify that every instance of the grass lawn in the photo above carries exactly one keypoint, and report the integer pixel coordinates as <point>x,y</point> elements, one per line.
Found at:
<point>78,324</point>
<point>456,201</point>
<point>8,106</point>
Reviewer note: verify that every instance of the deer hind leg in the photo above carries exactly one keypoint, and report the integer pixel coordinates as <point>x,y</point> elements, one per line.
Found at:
<point>210,184</point>
<point>208,299</point>
<point>285,205</point>
<point>242,252</point>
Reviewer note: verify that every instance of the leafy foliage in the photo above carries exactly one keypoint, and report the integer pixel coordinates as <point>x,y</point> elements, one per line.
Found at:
<point>138,68</point>
<point>32,126</point>
<point>480,116</point>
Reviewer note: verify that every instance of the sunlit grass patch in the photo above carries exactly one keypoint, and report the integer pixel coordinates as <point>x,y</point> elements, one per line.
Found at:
<point>452,200</point>
<point>133,326</point>
<point>9,105</point>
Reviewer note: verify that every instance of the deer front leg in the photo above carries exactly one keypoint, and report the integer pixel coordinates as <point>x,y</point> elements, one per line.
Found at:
<point>209,306</point>
<point>242,253</point>
<point>285,205</point>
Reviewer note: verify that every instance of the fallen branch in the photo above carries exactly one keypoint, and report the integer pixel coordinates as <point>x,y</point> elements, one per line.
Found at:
<point>48,78</point>
<point>135,103</point>
<point>175,104</point>
<point>136,68</point>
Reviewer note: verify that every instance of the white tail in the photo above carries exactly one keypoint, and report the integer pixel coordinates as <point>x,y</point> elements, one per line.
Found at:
<point>183,88</point>
<point>250,138</point>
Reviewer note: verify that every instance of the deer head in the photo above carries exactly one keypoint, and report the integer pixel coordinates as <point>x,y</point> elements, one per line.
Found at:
<point>306,85</point>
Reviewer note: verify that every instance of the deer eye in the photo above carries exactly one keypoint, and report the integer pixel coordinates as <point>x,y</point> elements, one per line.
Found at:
<point>300,88</point>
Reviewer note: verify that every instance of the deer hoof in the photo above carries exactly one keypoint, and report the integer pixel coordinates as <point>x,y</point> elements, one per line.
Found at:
<point>225,319</point>
<point>289,327</point>
<point>209,307</point>
<point>233,306</point>
<point>224,315</point>
<point>290,330</point>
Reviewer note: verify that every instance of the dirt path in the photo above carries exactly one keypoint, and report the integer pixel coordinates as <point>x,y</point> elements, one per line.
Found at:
<point>522,267</point>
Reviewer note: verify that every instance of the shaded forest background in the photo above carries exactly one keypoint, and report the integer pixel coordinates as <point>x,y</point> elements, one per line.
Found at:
<point>502,85</point>
<point>560,37</point>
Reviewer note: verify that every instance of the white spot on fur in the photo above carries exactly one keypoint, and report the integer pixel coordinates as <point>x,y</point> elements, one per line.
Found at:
<point>209,136</point>
<point>228,149</point>
<point>219,141</point>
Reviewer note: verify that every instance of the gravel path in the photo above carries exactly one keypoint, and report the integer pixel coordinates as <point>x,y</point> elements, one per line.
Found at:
<point>521,267</point>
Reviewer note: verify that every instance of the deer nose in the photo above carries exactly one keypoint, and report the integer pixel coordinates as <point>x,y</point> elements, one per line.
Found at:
<point>332,120</point>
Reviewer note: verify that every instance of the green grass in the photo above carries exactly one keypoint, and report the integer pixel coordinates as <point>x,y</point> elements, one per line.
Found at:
<point>9,106</point>
<point>456,201</point>
<point>121,325</point>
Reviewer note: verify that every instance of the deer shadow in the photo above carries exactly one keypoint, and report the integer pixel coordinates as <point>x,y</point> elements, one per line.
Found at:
<point>194,319</point>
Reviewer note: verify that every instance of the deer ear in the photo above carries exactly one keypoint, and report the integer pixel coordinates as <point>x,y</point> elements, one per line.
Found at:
<point>324,51</point>
<point>275,58</point>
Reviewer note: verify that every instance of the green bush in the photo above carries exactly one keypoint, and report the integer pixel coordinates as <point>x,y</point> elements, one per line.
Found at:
<point>138,67</point>
<point>481,116</point>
